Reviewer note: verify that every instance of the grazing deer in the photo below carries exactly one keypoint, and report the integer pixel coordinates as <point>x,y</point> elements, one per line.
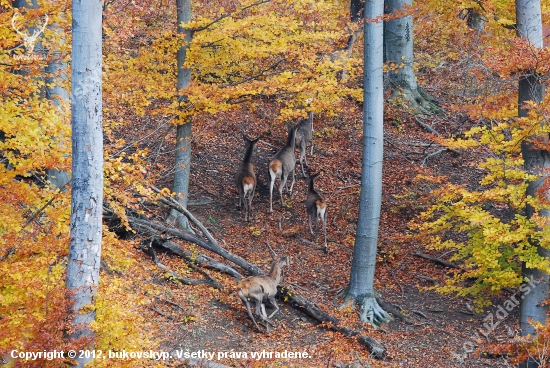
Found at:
<point>316,207</point>
<point>304,135</point>
<point>283,164</point>
<point>246,178</point>
<point>258,288</point>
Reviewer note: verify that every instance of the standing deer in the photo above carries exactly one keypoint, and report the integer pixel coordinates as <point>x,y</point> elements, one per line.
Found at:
<point>316,207</point>
<point>258,288</point>
<point>246,178</point>
<point>283,164</point>
<point>304,135</point>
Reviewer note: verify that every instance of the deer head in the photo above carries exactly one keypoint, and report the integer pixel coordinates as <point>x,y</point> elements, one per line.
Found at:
<point>29,40</point>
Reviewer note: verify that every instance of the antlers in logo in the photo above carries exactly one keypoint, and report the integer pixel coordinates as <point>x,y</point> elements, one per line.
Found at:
<point>29,40</point>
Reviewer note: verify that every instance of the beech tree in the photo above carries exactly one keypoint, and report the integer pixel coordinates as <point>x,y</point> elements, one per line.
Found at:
<point>536,161</point>
<point>183,133</point>
<point>87,167</point>
<point>361,286</point>
<point>398,45</point>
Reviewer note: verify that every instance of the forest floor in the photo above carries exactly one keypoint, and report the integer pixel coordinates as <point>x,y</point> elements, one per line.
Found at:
<point>443,328</point>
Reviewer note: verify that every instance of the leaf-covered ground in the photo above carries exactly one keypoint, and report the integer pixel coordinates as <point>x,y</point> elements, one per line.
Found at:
<point>442,328</point>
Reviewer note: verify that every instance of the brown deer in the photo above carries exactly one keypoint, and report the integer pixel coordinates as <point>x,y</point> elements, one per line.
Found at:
<point>258,288</point>
<point>304,135</point>
<point>246,178</point>
<point>316,207</point>
<point>283,164</point>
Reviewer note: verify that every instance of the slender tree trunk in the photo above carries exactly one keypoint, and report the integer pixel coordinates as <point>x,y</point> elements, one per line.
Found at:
<point>57,178</point>
<point>183,134</point>
<point>87,166</point>
<point>361,287</point>
<point>56,72</point>
<point>398,41</point>
<point>529,27</point>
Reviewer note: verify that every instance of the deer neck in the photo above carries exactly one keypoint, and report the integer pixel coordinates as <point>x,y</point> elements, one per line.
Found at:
<point>248,153</point>
<point>275,272</point>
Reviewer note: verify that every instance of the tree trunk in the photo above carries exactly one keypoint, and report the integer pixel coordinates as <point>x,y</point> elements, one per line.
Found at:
<point>361,287</point>
<point>57,178</point>
<point>529,26</point>
<point>57,74</point>
<point>398,42</point>
<point>87,166</point>
<point>183,134</point>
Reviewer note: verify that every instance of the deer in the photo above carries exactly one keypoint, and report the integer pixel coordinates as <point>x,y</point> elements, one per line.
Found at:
<point>246,178</point>
<point>316,207</point>
<point>257,288</point>
<point>283,164</point>
<point>304,135</point>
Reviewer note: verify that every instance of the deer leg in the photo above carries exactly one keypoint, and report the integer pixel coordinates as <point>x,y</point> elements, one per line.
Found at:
<point>273,176</point>
<point>266,318</point>
<point>309,222</point>
<point>241,195</point>
<point>316,228</point>
<point>303,157</point>
<point>292,184</point>
<point>251,315</point>
<point>325,227</point>
<point>281,186</point>
<point>303,152</point>
<point>274,303</point>
<point>251,196</point>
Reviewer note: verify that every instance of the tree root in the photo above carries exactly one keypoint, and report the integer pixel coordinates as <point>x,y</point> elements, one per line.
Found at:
<point>312,310</point>
<point>370,311</point>
<point>419,101</point>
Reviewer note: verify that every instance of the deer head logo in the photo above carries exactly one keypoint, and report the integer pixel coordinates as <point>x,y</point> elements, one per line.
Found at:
<point>29,40</point>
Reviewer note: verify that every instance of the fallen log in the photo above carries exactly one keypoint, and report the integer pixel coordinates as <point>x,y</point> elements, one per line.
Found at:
<point>241,262</point>
<point>200,259</point>
<point>312,310</point>
<point>439,261</point>
<point>147,248</point>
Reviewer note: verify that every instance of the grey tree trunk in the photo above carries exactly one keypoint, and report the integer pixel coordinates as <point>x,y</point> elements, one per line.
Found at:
<point>87,166</point>
<point>183,134</point>
<point>57,74</point>
<point>529,27</point>
<point>361,287</point>
<point>398,42</point>
<point>57,178</point>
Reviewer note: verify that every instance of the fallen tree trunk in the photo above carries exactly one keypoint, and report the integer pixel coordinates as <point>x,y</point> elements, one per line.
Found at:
<point>241,262</point>
<point>184,280</point>
<point>296,300</point>
<point>436,260</point>
<point>312,310</point>
<point>200,259</point>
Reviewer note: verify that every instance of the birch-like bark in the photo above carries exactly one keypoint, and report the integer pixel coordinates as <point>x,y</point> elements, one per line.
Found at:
<point>361,287</point>
<point>183,133</point>
<point>87,165</point>
<point>529,27</point>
